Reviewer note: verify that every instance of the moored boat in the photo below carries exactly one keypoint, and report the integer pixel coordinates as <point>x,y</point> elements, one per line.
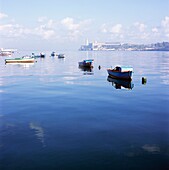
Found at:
<point>7,52</point>
<point>86,63</point>
<point>121,72</point>
<point>53,54</point>
<point>61,55</point>
<point>41,55</point>
<point>24,59</point>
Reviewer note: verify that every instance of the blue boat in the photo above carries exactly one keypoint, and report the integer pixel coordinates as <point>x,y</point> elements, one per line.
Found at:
<point>121,72</point>
<point>53,54</point>
<point>86,63</point>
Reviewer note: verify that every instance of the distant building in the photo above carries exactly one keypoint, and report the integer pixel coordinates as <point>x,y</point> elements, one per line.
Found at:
<point>99,46</point>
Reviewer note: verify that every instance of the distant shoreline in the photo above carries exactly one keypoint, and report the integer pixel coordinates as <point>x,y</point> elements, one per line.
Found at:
<point>114,46</point>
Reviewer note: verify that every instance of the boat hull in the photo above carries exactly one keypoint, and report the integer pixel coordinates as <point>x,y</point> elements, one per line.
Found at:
<point>86,63</point>
<point>20,60</point>
<point>53,55</point>
<point>61,56</point>
<point>82,64</point>
<point>5,53</point>
<point>120,75</point>
<point>39,56</point>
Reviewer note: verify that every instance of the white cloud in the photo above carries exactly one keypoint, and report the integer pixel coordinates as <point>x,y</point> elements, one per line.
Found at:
<point>2,15</point>
<point>13,30</point>
<point>71,29</point>
<point>145,36</point>
<point>112,32</point>
<point>165,26</point>
<point>165,22</point>
<point>50,23</point>
<point>116,29</point>
<point>155,30</point>
<point>140,26</point>
<point>74,29</point>
<point>48,34</point>
<point>111,29</point>
<point>104,28</point>
<point>69,24</point>
<point>46,30</point>
<point>65,29</point>
<point>5,27</point>
<point>44,33</point>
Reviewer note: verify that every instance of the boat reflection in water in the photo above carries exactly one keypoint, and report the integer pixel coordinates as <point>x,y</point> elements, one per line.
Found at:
<point>120,83</point>
<point>24,65</point>
<point>86,70</point>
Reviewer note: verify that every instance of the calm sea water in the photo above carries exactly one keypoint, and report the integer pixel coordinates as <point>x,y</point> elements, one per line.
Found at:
<point>54,115</point>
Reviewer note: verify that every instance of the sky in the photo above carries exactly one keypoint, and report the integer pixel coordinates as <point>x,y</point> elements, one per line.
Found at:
<point>67,24</point>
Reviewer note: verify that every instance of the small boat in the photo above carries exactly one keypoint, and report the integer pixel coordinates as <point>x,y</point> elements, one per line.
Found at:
<point>120,83</point>
<point>86,63</point>
<point>24,59</point>
<point>53,54</point>
<point>121,72</point>
<point>7,52</point>
<point>41,55</point>
<point>61,56</point>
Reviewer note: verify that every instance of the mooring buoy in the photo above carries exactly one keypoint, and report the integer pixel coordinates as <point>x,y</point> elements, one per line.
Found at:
<point>144,80</point>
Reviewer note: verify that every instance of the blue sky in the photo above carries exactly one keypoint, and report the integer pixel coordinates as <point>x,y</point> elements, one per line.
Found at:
<point>66,24</point>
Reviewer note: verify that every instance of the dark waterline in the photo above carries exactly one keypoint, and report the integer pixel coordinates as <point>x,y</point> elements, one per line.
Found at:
<point>54,115</point>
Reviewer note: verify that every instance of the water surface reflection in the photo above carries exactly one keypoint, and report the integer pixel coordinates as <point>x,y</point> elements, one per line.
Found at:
<point>86,70</point>
<point>39,132</point>
<point>53,116</point>
<point>119,83</point>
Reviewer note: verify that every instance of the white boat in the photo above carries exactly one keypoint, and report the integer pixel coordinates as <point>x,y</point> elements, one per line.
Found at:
<point>7,52</point>
<point>24,59</point>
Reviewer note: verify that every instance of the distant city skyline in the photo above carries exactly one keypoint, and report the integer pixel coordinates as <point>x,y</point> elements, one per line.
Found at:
<point>53,24</point>
<point>116,46</point>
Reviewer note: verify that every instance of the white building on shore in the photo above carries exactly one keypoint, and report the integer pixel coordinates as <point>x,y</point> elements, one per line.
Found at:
<point>100,46</point>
